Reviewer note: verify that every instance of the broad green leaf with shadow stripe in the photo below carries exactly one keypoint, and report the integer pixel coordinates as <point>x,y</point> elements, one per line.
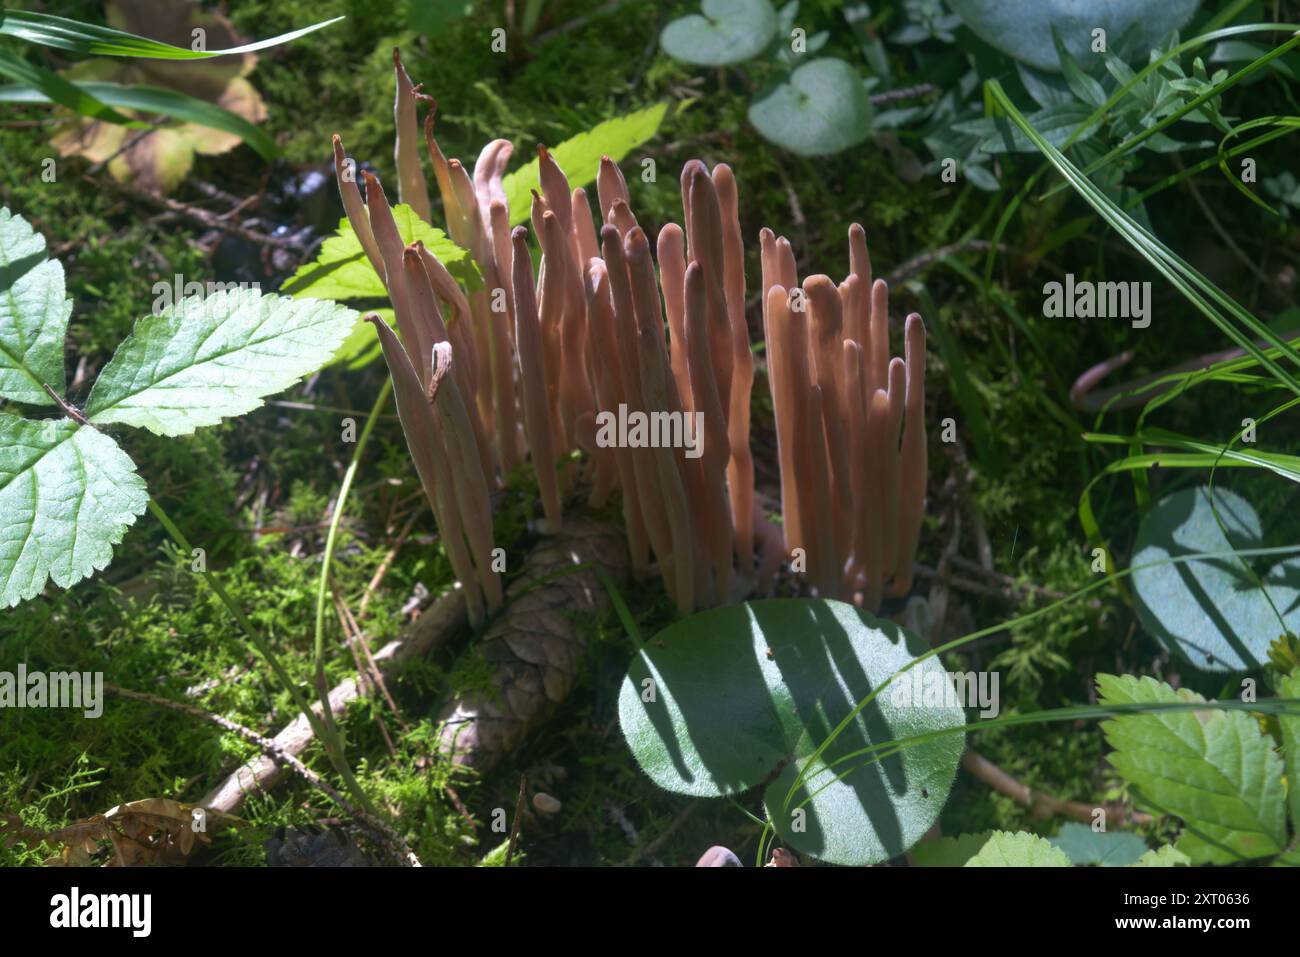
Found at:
<point>744,694</point>
<point>1212,612</point>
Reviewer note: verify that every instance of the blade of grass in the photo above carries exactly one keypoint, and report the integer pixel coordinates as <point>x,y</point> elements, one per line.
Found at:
<point>89,38</point>
<point>55,88</point>
<point>1196,288</point>
<point>152,99</point>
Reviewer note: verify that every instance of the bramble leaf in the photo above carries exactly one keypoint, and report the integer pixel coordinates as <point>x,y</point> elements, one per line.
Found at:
<point>206,358</point>
<point>1084,846</point>
<point>67,495</point>
<point>34,314</point>
<point>1021,849</point>
<point>1165,856</point>
<point>1215,769</point>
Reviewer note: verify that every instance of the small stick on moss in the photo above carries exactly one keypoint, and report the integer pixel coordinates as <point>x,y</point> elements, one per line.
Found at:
<point>390,839</point>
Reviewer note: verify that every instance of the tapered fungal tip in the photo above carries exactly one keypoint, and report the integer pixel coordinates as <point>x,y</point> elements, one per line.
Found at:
<point>857,232</point>
<point>373,318</point>
<point>543,154</point>
<point>519,234</point>
<point>635,243</point>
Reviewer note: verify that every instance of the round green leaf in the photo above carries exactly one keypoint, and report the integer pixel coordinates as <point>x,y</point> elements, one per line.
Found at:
<point>822,109</point>
<point>728,32</point>
<point>1211,612</point>
<point>1023,28</point>
<point>720,702</point>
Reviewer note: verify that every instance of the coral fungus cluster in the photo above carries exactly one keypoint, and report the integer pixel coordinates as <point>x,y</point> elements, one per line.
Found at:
<point>537,365</point>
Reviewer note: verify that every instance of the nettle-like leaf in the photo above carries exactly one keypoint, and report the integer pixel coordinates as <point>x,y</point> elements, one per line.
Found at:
<point>341,271</point>
<point>1021,849</point>
<point>1213,612</point>
<point>1166,856</point>
<point>1214,769</point>
<point>725,31</point>
<point>1289,687</point>
<point>34,313</point>
<point>1086,847</point>
<point>729,699</point>
<point>67,496</point>
<point>206,358</point>
<point>68,492</point>
<point>949,851</point>
<point>822,108</point>
<point>580,155</point>
<point>1023,28</point>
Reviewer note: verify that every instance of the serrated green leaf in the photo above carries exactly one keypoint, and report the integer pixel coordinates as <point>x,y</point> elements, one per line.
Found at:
<point>725,31</point>
<point>949,851</point>
<point>1086,847</point>
<point>67,495</point>
<point>749,691</point>
<point>209,357</point>
<point>34,313</point>
<point>1166,856</point>
<point>1021,849</point>
<point>341,270</point>
<point>579,156</point>
<point>1215,769</point>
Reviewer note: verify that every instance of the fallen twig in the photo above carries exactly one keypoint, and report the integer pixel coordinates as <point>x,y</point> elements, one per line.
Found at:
<point>388,837</point>
<point>1040,804</point>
